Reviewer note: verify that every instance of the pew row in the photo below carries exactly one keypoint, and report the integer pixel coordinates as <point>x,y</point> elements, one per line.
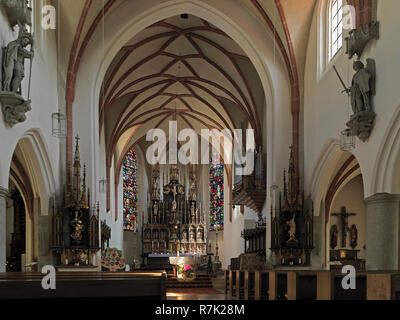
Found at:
<point>310,285</point>
<point>92,285</point>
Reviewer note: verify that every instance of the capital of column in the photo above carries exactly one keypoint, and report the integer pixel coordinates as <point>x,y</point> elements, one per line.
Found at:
<point>4,193</point>
<point>382,198</point>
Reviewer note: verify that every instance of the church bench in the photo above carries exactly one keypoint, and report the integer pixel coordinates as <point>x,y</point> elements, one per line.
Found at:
<point>383,286</point>
<point>240,285</point>
<point>249,285</point>
<point>226,282</point>
<point>306,285</point>
<point>261,285</point>
<point>232,284</point>
<point>360,293</point>
<point>76,285</point>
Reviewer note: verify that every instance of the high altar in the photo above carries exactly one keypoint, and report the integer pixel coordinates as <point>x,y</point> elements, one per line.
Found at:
<point>175,223</point>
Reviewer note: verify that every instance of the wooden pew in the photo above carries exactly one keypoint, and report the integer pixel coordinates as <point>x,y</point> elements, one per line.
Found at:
<point>249,285</point>
<point>324,285</point>
<point>383,286</point>
<point>226,282</point>
<point>232,284</point>
<point>132,285</point>
<point>360,293</point>
<point>306,285</point>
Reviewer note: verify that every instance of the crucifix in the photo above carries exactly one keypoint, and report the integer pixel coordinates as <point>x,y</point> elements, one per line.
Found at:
<point>344,217</point>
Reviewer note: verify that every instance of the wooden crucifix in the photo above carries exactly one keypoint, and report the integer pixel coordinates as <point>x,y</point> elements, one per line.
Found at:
<point>344,217</point>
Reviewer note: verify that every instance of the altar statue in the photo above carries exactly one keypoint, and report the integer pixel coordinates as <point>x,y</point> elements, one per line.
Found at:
<point>78,226</point>
<point>292,228</point>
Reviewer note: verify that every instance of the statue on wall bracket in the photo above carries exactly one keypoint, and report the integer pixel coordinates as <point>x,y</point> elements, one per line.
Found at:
<point>361,91</point>
<point>12,72</point>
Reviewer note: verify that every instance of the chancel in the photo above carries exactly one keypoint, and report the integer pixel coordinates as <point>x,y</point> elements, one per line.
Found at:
<point>202,149</point>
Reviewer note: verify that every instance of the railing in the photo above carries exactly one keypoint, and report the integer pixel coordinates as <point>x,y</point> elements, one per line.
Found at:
<point>310,285</point>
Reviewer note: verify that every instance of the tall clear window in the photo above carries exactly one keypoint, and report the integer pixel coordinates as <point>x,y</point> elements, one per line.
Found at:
<point>335,27</point>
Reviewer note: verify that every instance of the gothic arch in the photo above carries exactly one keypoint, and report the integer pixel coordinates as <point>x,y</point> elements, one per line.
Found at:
<point>37,165</point>
<point>250,37</point>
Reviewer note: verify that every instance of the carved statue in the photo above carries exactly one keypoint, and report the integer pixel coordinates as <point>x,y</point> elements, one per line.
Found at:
<point>192,212</point>
<point>78,226</point>
<point>13,61</point>
<point>353,236</point>
<point>166,189</point>
<point>361,91</point>
<point>155,210</point>
<point>334,236</point>
<point>362,86</point>
<point>192,235</point>
<point>292,228</point>
<point>200,235</point>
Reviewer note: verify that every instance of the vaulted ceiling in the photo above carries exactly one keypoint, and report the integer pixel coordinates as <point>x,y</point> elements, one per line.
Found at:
<point>184,69</point>
<point>181,69</point>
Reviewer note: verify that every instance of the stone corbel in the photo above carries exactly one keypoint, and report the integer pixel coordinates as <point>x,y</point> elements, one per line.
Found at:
<point>358,38</point>
<point>17,12</point>
<point>14,108</point>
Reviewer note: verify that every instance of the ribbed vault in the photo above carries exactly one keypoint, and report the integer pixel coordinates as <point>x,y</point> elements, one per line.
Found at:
<point>183,69</point>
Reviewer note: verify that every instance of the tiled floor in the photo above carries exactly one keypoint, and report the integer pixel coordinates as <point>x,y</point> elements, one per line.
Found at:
<point>180,296</point>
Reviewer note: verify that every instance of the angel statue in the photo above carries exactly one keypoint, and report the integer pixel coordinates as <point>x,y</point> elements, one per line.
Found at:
<point>362,86</point>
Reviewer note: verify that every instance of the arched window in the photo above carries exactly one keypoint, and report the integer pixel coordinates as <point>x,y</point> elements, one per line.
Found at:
<point>130,192</point>
<point>216,195</point>
<point>335,27</point>
<point>30,5</point>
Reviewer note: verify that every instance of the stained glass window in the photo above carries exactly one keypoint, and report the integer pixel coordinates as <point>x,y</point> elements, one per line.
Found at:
<point>216,196</point>
<point>130,192</point>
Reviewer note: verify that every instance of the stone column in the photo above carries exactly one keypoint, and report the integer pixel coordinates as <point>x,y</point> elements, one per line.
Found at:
<point>382,232</point>
<point>3,235</point>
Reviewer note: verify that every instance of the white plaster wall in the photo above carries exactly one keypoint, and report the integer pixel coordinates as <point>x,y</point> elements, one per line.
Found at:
<point>44,98</point>
<point>326,109</point>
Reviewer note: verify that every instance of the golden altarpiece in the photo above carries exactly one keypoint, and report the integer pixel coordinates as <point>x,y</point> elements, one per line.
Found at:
<point>75,228</point>
<point>175,223</point>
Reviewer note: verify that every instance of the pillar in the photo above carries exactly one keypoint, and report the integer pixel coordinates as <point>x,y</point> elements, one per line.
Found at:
<point>382,232</point>
<point>3,232</point>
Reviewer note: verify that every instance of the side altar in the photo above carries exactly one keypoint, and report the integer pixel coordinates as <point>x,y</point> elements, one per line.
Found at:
<point>75,228</point>
<point>175,224</point>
